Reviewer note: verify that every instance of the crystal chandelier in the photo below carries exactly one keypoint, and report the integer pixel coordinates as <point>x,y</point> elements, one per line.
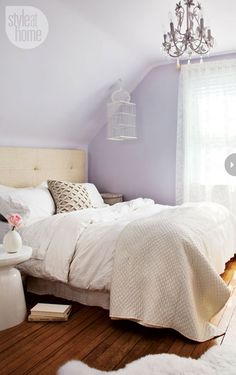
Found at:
<point>196,38</point>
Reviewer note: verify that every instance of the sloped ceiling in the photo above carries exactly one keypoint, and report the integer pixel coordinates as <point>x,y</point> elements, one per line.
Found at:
<point>57,92</point>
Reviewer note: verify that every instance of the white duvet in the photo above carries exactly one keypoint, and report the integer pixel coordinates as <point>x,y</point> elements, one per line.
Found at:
<point>79,247</point>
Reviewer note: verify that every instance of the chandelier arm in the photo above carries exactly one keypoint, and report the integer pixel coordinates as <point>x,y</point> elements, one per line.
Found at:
<point>182,34</point>
<point>178,49</point>
<point>197,47</point>
<point>179,34</point>
<point>202,41</point>
<point>176,56</point>
<point>175,40</point>
<point>201,52</point>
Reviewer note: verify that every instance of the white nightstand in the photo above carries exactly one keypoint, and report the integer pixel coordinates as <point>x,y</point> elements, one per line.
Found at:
<point>12,299</point>
<point>112,198</point>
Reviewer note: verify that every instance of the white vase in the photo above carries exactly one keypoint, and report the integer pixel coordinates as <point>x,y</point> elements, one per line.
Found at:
<point>12,241</point>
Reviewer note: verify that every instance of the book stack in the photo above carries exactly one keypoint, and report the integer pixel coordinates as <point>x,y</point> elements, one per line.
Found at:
<point>49,312</point>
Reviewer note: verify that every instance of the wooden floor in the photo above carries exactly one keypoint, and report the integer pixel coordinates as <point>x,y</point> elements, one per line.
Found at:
<point>89,335</point>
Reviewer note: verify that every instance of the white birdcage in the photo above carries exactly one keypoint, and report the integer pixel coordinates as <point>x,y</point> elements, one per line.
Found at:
<point>121,117</point>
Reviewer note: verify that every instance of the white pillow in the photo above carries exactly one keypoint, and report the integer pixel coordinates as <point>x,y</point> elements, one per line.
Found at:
<point>94,195</point>
<point>31,203</point>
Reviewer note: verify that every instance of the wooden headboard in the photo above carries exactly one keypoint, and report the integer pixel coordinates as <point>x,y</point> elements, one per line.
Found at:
<point>21,167</point>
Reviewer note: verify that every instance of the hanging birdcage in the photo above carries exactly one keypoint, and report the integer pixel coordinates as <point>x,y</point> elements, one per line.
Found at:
<point>121,117</point>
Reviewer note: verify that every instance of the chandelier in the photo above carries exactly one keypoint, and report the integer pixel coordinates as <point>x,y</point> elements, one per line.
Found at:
<point>191,36</point>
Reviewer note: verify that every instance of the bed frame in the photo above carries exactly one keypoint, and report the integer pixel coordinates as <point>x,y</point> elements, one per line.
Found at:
<point>21,167</point>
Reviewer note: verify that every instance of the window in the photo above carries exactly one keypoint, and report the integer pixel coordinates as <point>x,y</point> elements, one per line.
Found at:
<point>206,132</point>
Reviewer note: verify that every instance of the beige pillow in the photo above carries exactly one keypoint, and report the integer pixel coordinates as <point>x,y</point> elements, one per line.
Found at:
<point>69,196</point>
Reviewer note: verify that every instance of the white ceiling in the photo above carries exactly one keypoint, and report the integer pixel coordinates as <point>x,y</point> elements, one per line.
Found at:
<point>59,90</point>
<point>140,24</point>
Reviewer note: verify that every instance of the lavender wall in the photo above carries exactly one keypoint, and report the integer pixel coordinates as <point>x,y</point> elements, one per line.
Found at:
<point>33,91</point>
<point>145,167</point>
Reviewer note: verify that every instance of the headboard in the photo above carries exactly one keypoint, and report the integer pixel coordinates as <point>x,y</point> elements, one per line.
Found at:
<point>20,167</point>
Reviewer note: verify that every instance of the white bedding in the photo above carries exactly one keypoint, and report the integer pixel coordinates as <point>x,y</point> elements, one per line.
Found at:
<point>78,247</point>
<point>162,274</point>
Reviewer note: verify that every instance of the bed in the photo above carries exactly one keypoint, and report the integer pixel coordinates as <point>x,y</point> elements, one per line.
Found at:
<point>153,264</point>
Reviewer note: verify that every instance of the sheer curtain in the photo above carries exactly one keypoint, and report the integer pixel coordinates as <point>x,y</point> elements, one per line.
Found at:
<point>206,133</point>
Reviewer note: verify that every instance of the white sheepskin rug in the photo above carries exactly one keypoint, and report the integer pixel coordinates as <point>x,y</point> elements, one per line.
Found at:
<point>219,360</point>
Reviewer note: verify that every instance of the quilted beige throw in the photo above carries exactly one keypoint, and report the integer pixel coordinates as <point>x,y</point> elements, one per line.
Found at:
<point>162,275</point>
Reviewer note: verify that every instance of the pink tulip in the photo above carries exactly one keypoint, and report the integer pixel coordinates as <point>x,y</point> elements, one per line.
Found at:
<point>15,220</point>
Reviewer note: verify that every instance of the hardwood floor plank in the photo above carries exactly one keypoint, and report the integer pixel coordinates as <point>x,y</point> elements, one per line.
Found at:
<point>11,339</point>
<point>163,344</point>
<point>78,348</point>
<point>187,349</point>
<point>202,348</point>
<point>36,344</point>
<point>113,355</point>
<point>176,346</point>
<point>138,350</point>
<point>153,342</point>
<point>102,347</point>
<point>54,344</point>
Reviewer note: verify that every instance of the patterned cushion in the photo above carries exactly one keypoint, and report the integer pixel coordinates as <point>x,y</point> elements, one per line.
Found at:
<point>69,196</point>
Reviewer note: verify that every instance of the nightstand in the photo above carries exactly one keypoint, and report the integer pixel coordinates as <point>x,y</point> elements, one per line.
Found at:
<point>112,198</point>
<point>12,306</point>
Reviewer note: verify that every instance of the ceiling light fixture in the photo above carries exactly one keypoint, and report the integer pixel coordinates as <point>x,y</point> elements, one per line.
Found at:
<point>196,38</point>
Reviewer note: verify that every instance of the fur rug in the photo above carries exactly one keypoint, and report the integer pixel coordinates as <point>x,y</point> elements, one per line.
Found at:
<point>219,360</point>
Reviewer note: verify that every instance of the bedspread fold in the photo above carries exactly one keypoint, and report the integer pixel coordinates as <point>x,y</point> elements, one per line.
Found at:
<point>161,276</point>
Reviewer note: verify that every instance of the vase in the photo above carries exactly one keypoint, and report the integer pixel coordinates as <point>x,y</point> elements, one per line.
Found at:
<point>12,241</point>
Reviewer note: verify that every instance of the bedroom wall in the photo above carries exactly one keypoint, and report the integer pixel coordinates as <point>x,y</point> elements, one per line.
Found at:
<point>144,167</point>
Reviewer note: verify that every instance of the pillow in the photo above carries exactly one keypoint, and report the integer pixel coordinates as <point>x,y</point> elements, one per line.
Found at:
<point>31,203</point>
<point>94,195</point>
<point>69,196</point>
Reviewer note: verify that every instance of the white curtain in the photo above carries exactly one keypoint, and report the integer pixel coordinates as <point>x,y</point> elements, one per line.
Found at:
<point>206,133</point>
